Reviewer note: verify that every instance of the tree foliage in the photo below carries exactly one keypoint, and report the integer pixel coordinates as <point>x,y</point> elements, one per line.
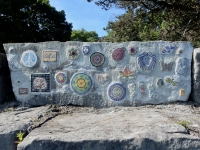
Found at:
<point>32,21</point>
<point>84,36</point>
<point>156,19</point>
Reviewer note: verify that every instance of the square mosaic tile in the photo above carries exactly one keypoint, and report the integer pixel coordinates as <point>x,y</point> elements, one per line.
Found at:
<point>40,82</point>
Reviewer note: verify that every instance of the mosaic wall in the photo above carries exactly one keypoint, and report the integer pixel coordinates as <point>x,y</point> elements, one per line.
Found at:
<point>100,74</point>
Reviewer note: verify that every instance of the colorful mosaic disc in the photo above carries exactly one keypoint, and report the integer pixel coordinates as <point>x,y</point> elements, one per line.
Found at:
<point>73,53</point>
<point>97,59</point>
<point>118,54</point>
<point>81,83</point>
<point>40,82</point>
<point>117,91</point>
<point>28,58</point>
<point>60,78</point>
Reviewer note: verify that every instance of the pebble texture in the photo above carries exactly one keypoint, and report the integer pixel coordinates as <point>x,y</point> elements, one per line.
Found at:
<point>100,74</point>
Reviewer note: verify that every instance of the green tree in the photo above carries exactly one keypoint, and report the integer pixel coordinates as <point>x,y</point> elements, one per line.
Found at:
<point>156,19</point>
<point>31,21</point>
<point>84,36</point>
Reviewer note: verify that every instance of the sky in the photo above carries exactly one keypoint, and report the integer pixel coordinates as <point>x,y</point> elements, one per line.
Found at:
<point>83,14</point>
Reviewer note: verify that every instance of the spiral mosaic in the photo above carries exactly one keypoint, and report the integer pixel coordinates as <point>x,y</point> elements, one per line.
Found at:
<point>81,83</point>
<point>97,59</point>
<point>117,91</point>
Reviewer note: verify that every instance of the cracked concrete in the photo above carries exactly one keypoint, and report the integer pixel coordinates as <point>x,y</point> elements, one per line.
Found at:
<point>68,127</point>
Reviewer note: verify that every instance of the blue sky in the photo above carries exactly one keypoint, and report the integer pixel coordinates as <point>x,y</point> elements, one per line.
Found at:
<point>83,14</point>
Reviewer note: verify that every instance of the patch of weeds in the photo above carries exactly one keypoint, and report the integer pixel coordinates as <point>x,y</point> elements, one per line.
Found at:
<point>36,120</point>
<point>184,123</point>
<point>20,136</point>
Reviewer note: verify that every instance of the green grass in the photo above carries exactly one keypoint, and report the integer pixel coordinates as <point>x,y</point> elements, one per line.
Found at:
<point>184,123</point>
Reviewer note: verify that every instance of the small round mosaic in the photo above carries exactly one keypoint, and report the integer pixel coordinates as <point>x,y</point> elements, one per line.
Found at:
<point>60,77</point>
<point>28,58</point>
<point>117,91</point>
<point>73,53</point>
<point>97,59</point>
<point>118,54</point>
<point>132,50</point>
<point>81,83</point>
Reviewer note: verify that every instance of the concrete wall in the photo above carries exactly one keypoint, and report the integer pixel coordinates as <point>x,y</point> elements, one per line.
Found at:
<point>100,74</point>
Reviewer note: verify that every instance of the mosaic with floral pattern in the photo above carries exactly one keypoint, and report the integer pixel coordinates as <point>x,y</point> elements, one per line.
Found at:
<point>81,83</point>
<point>73,53</point>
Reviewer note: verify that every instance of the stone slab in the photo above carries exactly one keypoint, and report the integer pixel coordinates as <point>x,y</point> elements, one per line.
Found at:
<point>100,74</point>
<point>196,75</point>
<point>13,122</point>
<point>141,128</point>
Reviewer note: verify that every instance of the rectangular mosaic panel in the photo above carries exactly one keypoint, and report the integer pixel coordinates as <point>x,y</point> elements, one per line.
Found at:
<point>23,91</point>
<point>49,56</point>
<point>40,82</point>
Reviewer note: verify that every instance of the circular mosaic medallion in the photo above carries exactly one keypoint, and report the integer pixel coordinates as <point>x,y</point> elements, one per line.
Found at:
<point>60,77</point>
<point>132,51</point>
<point>86,50</point>
<point>97,59</point>
<point>73,53</point>
<point>117,91</point>
<point>28,58</point>
<point>118,54</point>
<point>81,83</point>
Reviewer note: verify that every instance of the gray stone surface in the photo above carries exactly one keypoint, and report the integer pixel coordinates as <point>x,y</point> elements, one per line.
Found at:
<point>119,128</point>
<point>196,76</point>
<point>11,122</point>
<point>159,72</point>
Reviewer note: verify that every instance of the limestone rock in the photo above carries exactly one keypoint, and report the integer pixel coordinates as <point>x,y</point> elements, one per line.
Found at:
<point>115,128</point>
<point>13,122</point>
